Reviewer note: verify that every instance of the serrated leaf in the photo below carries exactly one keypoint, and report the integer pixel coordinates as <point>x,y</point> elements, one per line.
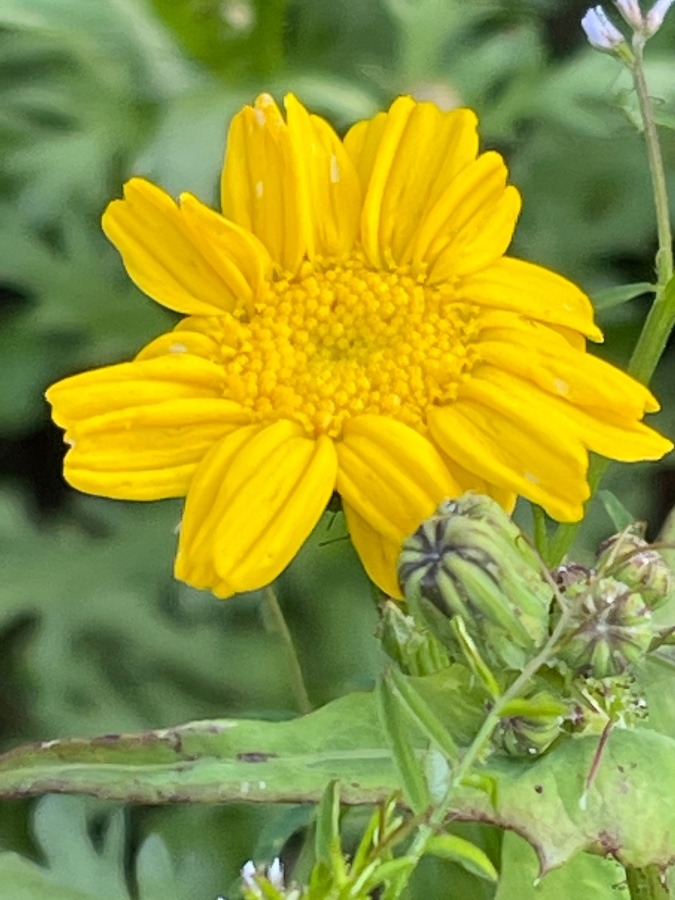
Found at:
<point>293,761</point>
<point>584,876</point>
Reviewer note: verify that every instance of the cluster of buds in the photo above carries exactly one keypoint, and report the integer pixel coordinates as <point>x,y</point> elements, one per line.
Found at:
<point>605,36</point>
<point>475,586</point>
<point>470,561</point>
<point>629,558</point>
<point>610,608</point>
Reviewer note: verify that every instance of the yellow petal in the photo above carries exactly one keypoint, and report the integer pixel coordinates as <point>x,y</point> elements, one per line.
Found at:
<point>387,148</point>
<point>477,187</point>
<point>536,353</point>
<point>468,481</point>
<point>406,159</point>
<point>531,291</point>
<point>254,500</point>
<point>530,458</point>
<point>263,187</point>
<point>182,340</point>
<point>187,257</point>
<point>362,141</point>
<point>147,452</point>
<point>480,243</point>
<point>608,430</point>
<point>378,554</point>
<point>391,475</point>
<point>330,183</point>
<point>235,253</point>
<point>126,385</point>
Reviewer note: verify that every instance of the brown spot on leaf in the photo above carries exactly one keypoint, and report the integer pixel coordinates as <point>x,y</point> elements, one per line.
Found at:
<point>256,757</point>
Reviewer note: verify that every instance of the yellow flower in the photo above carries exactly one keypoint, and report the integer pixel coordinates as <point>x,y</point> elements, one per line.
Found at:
<point>352,325</point>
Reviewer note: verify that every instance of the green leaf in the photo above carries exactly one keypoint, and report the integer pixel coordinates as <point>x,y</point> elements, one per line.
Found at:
<point>293,761</point>
<point>398,734</point>
<point>74,868</point>
<point>457,849</point>
<point>617,512</point>
<point>421,713</point>
<point>584,876</point>
<point>622,293</point>
<point>473,657</point>
<point>327,842</point>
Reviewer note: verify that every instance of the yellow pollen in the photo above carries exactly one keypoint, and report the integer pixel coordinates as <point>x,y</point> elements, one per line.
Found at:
<point>342,339</point>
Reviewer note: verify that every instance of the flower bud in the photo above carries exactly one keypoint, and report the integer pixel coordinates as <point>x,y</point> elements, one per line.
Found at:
<point>532,732</point>
<point>412,646</point>
<point>631,12</point>
<point>656,15</point>
<point>601,33</point>
<point>628,558</point>
<point>610,628</point>
<point>470,560</point>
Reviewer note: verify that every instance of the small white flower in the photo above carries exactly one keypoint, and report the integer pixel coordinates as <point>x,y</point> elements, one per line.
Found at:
<point>275,874</point>
<point>630,10</point>
<point>601,33</point>
<point>656,15</point>
<point>248,873</point>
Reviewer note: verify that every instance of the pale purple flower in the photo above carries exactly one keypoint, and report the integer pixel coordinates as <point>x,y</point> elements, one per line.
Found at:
<point>601,33</point>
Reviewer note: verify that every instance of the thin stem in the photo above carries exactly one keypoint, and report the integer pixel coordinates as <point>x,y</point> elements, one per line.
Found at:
<point>655,159</point>
<point>278,623</point>
<point>490,722</point>
<point>646,884</point>
<point>661,318</point>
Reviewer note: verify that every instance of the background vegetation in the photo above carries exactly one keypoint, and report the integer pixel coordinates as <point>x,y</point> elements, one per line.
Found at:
<point>95,636</point>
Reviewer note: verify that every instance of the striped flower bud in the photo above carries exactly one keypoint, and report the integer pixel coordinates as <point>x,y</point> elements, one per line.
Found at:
<point>627,557</point>
<point>610,629</point>
<point>470,560</point>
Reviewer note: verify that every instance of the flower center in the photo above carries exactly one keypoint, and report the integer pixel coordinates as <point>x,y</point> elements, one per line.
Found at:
<point>341,340</point>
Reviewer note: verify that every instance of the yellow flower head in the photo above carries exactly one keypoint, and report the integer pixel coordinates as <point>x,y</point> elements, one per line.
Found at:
<point>352,325</point>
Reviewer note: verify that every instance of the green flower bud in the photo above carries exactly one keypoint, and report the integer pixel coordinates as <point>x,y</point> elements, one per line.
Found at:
<point>470,560</point>
<point>532,731</point>
<point>409,644</point>
<point>610,630</point>
<point>628,558</point>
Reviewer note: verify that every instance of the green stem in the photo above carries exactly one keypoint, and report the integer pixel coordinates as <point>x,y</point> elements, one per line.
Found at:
<point>646,884</point>
<point>473,753</point>
<point>278,624</point>
<point>661,318</point>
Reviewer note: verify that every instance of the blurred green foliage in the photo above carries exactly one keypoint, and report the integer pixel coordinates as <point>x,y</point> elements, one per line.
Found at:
<point>96,636</point>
